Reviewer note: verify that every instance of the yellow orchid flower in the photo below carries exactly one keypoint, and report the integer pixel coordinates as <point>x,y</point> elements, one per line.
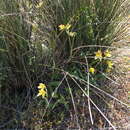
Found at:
<point>42,93</point>
<point>107,53</point>
<point>110,64</point>
<point>92,70</point>
<point>42,86</point>
<point>98,55</point>
<point>64,27</point>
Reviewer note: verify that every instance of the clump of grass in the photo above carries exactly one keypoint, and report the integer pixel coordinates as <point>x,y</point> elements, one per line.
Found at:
<point>93,21</point>
<point>15,39</point>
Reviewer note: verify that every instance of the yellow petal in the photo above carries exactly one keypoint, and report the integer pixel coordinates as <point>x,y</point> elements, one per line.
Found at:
<point>39,94</point>
<point>42,86</point>
<point>61,27</point>
<point>110,64</point>
<point>42,93</point>
<point>39,5</point>
<point>98,55</point>
<point>107,53</point>
<point>92,70</point>
<point>68,26</point>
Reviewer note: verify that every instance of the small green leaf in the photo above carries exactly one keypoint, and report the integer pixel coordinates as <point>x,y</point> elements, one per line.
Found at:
<point>54,83</point>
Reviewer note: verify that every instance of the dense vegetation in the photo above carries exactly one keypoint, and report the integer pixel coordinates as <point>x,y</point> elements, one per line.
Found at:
<point>56,61</point>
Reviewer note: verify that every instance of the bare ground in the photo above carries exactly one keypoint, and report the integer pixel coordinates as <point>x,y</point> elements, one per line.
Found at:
<point>121,114</point>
